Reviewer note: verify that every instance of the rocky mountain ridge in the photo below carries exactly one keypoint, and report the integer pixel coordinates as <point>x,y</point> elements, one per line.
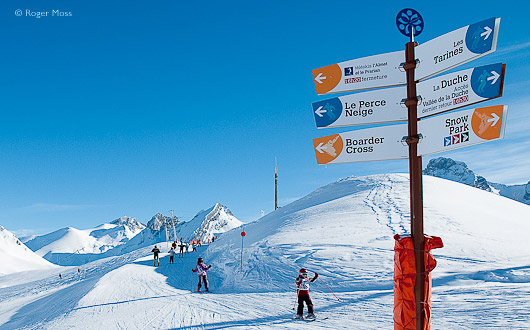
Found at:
<point>458,171</point>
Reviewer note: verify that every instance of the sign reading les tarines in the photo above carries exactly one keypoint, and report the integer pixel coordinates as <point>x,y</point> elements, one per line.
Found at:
<point>378,143</point>
<point>460,89</point>
<point>363,73</point>
<point>461,129</point>
<point>457,47</point>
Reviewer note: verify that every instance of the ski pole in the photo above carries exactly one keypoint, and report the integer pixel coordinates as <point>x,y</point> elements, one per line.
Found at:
<point>296,300</point>
<point>329,288</point>
<point>213,281</point>
<point>191,282</point>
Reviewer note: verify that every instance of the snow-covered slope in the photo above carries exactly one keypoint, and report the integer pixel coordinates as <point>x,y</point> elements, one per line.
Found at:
<point>16,257</point>
<point>450,169</point>
<point>93,240</point>
<point>343,231</point>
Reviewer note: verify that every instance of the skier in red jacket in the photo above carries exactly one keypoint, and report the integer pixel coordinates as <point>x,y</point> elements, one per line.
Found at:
<point>302,282</point>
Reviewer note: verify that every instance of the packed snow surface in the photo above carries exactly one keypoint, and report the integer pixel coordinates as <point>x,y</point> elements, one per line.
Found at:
<point>344,231</point>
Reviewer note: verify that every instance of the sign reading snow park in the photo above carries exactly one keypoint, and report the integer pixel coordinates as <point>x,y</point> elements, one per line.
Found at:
<point>371,107</point>
<point>461,129</point>
<point>457,47</point>
<point>378,143</point>
<point>460,89</point>
<point>363,73</point>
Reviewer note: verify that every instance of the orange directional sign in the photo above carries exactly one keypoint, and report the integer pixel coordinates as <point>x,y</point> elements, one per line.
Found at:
<point>363,73</point>
<point>461,129</point>
<point>378,143</point>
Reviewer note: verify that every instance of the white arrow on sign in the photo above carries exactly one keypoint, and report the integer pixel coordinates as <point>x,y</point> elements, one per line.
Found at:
<point>493,120</point>
<point>487,32</point>
<point>461,129</point>
<point>453,49</point>
<point>319,78</point>
<point>494,77</point>
<point>320,111</point>
<point>320,148</point>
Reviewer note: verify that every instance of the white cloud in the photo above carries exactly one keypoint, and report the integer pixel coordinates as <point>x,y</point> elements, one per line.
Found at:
<point>47,207</point>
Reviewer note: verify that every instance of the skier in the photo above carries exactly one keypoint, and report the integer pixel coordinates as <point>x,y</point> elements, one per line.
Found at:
<point>174,244</point>
<point>302,282</point>
<point>155,251</point>
<point>201,270</point>
<point>171,255</point>
<point>181,246</point>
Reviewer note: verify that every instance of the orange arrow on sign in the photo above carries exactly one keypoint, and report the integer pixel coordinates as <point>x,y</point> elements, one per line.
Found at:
<point>485,122</point>
<point>327,78</point>
<point>328,148</point>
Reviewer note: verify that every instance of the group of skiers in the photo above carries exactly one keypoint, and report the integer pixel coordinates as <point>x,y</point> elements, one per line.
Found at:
<point>173,251</point>
<point>302,282</point>
<point>201,269</point>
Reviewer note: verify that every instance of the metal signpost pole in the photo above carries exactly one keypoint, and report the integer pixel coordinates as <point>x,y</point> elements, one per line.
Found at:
<point>416,193</point>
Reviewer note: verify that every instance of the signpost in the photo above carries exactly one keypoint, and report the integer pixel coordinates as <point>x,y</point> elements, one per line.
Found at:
<point>462,129</point>
<point>460,89</point>
<point>363,73</point>
<point>378,143</point>
<point>457,47</point>
<point>379,106</point>
<point>423,98</point>
<point>436,95</point>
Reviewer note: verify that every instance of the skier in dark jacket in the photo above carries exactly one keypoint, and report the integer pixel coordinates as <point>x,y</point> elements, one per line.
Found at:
<point>201,270</point>
<point>155,251</point>
<point>302,282</point>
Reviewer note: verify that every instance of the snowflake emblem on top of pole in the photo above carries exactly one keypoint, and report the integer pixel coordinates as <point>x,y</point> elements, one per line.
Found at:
<point>409,22</point>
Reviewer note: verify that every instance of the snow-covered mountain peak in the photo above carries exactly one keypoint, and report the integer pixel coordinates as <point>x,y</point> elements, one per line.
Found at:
<point>130,223</point>
<point>450,169</point>
<point>157,222</point>
<point>16,257</point>
<point>207,223</point>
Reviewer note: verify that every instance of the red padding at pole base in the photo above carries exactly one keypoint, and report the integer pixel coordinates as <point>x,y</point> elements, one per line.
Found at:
<point>405,279</point>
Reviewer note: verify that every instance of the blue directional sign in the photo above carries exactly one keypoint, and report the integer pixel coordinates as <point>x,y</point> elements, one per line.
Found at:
<point>479,36</point>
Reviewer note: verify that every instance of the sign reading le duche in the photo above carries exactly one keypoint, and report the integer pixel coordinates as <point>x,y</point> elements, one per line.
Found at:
<point>460,89</point>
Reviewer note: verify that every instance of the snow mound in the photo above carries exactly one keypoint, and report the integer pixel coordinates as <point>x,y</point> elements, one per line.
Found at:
<point>344,231</point>
<point>16,257</point>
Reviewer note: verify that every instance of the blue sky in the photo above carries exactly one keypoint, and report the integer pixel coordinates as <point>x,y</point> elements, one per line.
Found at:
<point>138,107</point>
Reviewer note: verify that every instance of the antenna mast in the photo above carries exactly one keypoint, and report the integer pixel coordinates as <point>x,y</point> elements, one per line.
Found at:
<point>275,183</point>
